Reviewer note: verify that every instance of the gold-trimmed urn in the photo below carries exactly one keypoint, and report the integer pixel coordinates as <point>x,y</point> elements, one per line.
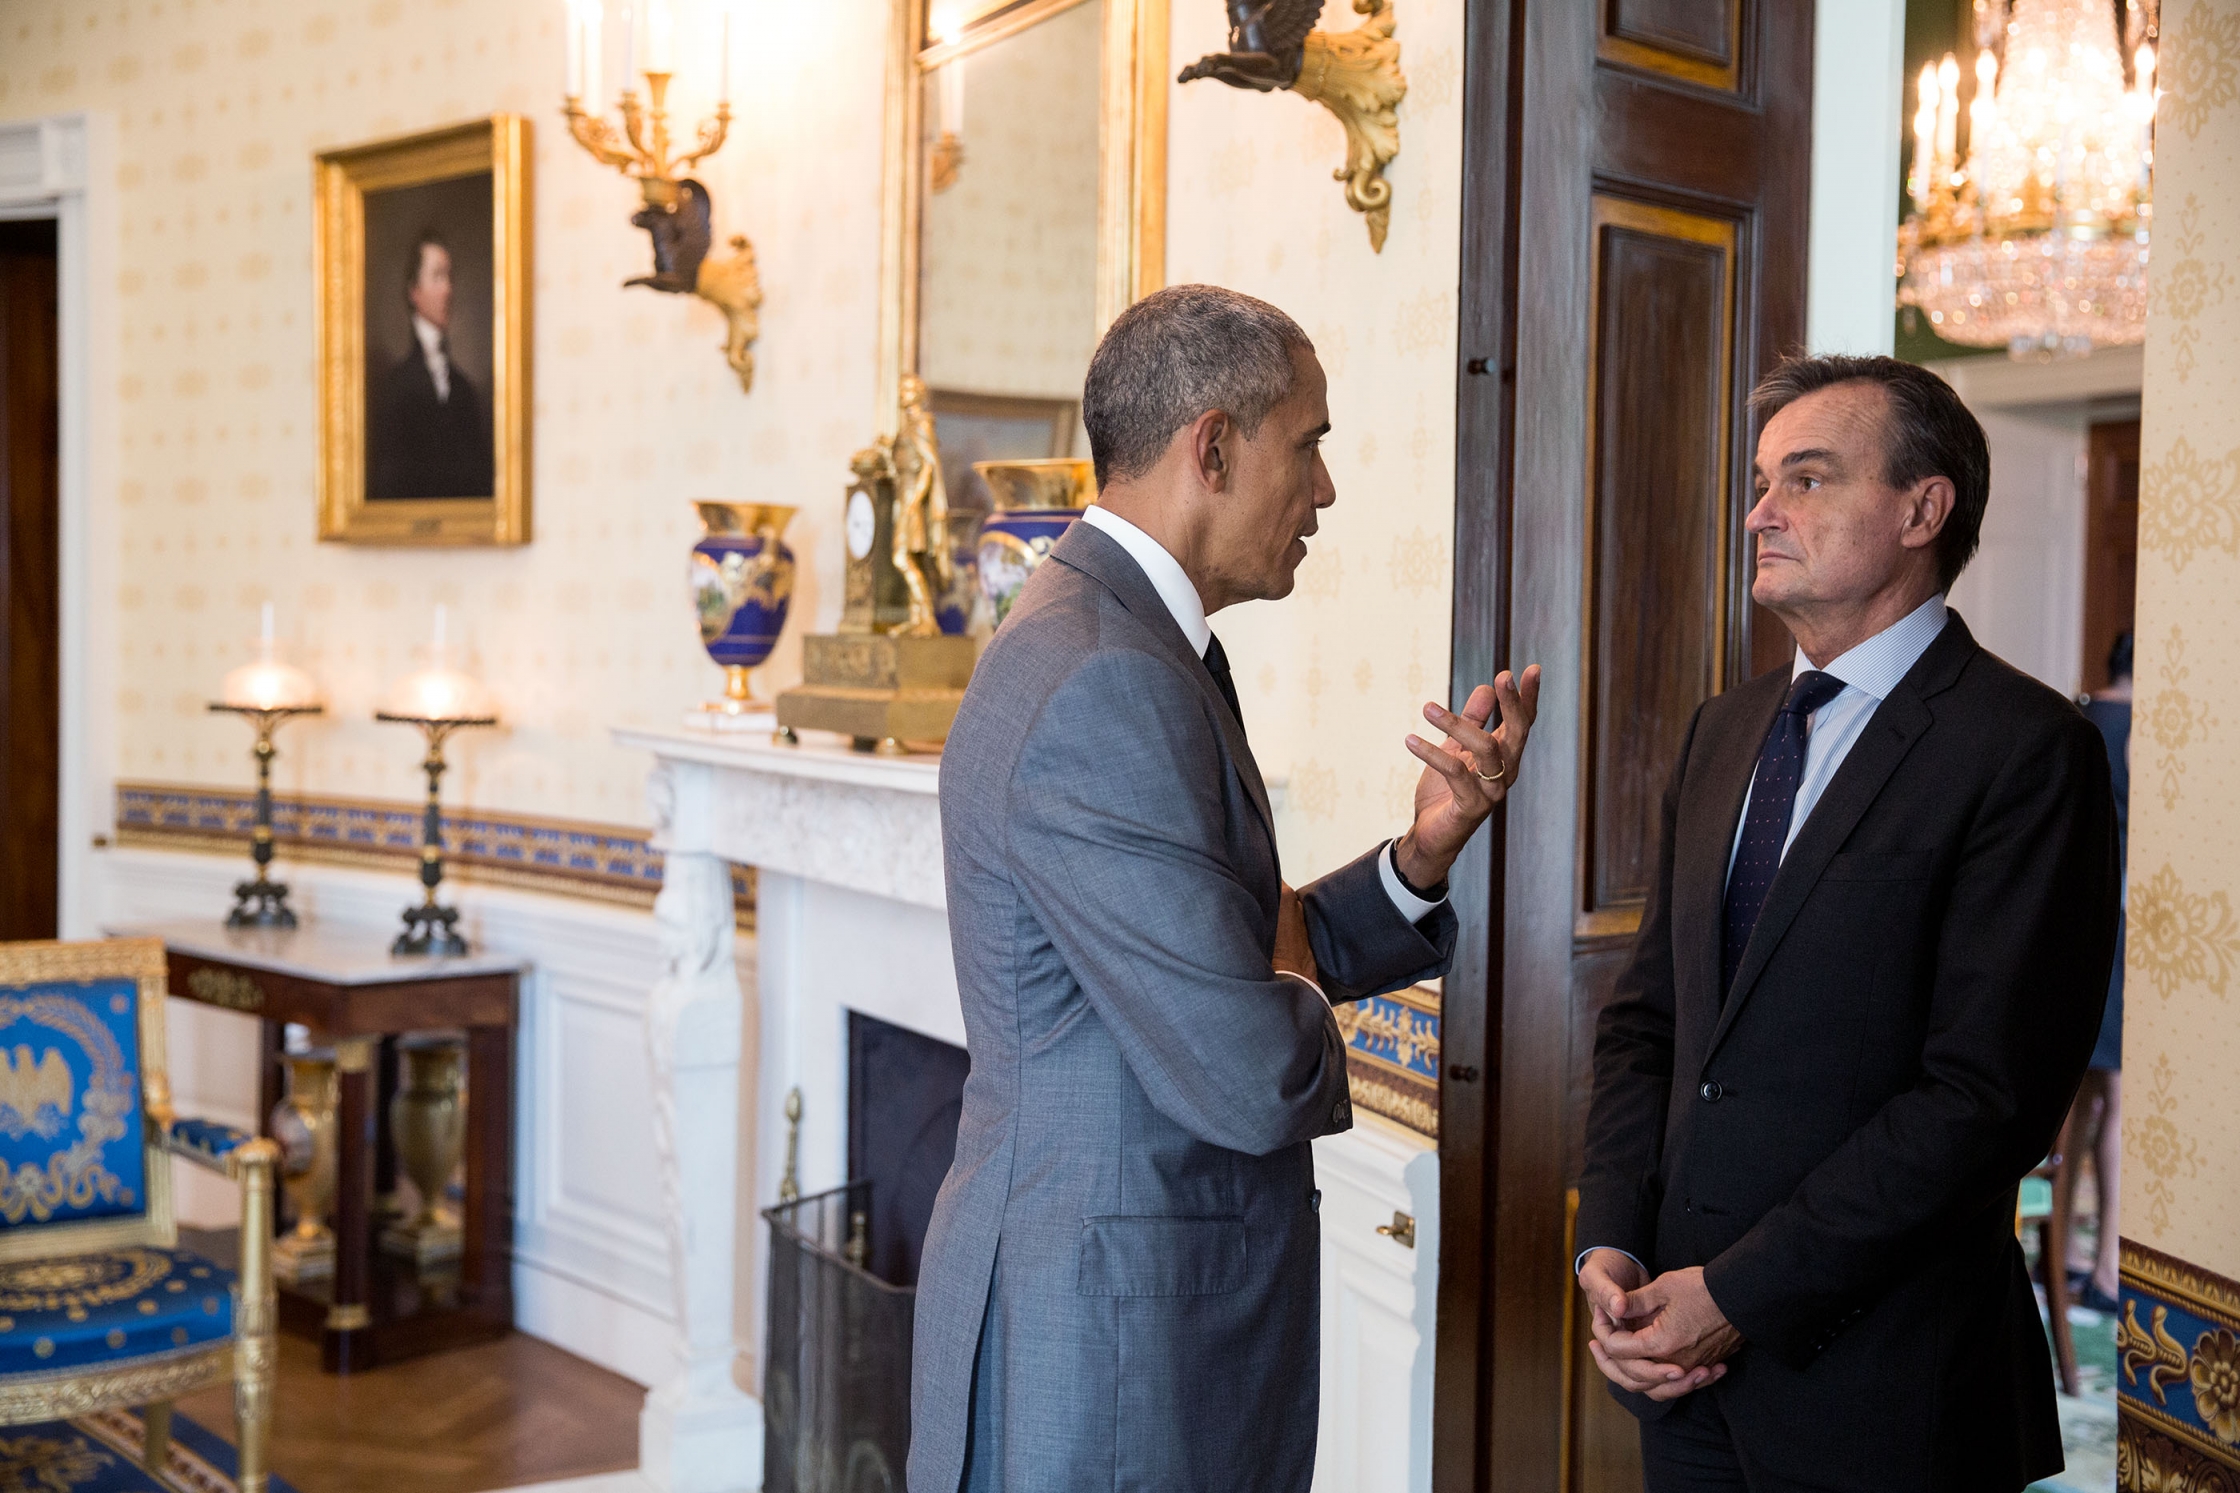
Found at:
<point>427,1120</point>
<point>305,1125</point>
<point>1036,501</point>
<point>742,586</point>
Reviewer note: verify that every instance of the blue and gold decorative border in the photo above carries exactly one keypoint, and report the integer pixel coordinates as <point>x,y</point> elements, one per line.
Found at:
<point>1392,1056</point>
<point>612,863</point>
<point>2178,1376</point>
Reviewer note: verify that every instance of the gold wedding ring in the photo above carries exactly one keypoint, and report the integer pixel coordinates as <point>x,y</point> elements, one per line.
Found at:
<point>1500,771</point>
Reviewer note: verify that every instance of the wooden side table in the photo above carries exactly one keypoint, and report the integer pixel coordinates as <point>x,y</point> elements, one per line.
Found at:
<point>353,994</point>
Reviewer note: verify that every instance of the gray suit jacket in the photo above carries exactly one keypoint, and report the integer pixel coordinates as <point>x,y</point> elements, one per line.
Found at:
<point>1126,1241</point>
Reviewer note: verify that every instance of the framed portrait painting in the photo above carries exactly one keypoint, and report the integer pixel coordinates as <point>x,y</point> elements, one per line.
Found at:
<point>420,251</point>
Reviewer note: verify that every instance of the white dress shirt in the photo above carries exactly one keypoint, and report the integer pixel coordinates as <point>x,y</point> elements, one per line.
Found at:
<point>431,351</point>
<point>1188,609</point>
<point>1869,673</point>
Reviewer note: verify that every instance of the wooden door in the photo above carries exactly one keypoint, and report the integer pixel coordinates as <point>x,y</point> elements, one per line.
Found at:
<point>2111,542</point>
<point>30,468</point>
<point>1636,180</point>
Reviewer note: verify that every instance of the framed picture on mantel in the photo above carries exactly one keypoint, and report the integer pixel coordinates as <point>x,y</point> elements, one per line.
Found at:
<point>420,252</point>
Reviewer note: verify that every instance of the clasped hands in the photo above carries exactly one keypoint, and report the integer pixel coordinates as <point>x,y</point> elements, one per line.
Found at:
<point>1662,1338</point>
<point>1463,778</point>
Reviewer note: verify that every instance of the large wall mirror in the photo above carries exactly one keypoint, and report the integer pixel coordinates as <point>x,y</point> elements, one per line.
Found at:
<point>1026,208</point>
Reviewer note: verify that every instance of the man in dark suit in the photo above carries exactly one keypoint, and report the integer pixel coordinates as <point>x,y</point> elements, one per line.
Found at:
<point>1869,976</point>
<point>429,435</point>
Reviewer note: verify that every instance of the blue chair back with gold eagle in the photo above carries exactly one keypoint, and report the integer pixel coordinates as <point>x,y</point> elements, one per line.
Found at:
<point>83,1101</point>
<point>99,1308</point>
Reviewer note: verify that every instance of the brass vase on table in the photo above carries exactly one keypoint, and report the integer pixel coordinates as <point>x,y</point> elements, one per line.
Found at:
<point>427,1120</point>
<point>305,1125</point>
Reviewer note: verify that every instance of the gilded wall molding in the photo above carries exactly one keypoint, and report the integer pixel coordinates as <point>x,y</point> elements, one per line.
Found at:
<point>2178,1377</point>
<point>608,863</point>
<point>1354,74</point>
<point>1392,1056</point>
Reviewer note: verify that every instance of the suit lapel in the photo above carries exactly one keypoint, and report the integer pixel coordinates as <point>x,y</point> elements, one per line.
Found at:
<point>1890,734</point>
<point>1099,556</point>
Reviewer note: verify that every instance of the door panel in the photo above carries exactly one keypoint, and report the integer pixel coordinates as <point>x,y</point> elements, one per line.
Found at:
<point>1660,404</point>
<point>1635,184</point>
<point>30,670</point>
<point>1697,41</point>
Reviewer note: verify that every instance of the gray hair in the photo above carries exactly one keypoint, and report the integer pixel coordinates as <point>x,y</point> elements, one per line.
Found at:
<point>1174,355</point>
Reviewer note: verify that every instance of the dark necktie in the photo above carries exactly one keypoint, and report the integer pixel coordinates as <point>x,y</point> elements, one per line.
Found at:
<point>1217,664</point>
<point>1773,796</point>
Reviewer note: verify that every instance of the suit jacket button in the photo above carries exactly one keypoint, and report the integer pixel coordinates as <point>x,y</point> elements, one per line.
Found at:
<point>1338,1113</point>
<point>1712,1091</point>
<point>1314,1201</point>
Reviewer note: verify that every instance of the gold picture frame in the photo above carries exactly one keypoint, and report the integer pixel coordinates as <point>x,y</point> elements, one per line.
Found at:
<point>410,409</point>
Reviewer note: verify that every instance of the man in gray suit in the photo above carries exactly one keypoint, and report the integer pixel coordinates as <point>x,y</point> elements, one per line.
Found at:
<point>1120,1286</point>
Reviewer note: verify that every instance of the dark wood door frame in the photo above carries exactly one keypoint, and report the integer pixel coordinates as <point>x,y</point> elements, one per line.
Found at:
<point>1486,407</point>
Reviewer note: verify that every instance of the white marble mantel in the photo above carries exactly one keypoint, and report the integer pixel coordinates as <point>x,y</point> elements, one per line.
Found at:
<point>819,812</point>
<point>851,916</point>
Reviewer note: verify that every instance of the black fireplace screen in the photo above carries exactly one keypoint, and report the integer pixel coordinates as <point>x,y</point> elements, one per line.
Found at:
<point>836,1381</point>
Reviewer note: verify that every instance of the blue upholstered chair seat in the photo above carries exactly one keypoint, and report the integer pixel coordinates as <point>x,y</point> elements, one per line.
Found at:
<point>109,1307</point>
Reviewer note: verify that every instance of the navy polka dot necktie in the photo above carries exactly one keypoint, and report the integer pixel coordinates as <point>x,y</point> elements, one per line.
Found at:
<point>1773,796</point>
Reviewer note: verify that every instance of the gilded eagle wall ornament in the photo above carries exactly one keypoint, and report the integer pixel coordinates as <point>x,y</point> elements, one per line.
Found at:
<point>1274,44</point>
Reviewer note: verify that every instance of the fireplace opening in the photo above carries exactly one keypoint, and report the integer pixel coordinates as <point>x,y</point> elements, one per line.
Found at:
<point>844,1271</point>
<point>905,1093</point>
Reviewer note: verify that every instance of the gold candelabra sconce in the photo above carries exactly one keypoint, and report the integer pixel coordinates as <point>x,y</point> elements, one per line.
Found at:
<point>677,212</point>
<point>1274,45</point>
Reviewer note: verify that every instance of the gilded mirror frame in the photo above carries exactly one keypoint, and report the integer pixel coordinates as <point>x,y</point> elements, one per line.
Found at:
<point>1131,149</point>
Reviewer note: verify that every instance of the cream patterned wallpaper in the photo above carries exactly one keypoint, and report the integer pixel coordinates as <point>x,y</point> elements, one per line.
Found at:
<point>1335,674</point>
<point>2182,979</point>
<point>219,106</point>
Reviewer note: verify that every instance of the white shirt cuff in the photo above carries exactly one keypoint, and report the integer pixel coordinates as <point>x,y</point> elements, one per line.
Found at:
<point>1580,1263</point>
<point>1412,907</point>
<point>1284,974</point>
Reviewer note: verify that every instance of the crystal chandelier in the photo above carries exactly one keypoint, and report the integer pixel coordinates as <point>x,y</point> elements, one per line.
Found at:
<point>2036,240</point>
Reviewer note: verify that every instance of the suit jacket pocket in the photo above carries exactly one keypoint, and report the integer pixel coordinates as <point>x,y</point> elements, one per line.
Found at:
<point>1882,865</point>
<point>1162,1256</point>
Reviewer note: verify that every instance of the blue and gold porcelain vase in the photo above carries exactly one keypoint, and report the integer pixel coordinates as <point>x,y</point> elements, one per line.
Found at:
<point>742,583</point>
<point>1036,501</point>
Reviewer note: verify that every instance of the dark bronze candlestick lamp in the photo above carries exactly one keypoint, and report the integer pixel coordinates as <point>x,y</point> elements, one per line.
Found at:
<point>438,700</point>
<point>267,692</point>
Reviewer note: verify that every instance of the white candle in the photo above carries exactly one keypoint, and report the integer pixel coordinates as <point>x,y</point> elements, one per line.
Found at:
<point>630,49</point>
<point>723,84</point>
<point>1948,113</point>
<point>952,97</point>
<point>264,631</point>
<point>589,18</point>
<point>1924,137</point>
<point>439,627</point>
<point>660,38</point>
<point>571,83</point>
<point>1983,114</point>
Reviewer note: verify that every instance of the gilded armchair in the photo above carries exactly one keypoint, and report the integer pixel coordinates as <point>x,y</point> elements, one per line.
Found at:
<point>99,1308</point>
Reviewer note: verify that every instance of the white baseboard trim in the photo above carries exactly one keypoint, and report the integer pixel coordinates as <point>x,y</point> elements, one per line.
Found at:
<point>615,1334</point>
